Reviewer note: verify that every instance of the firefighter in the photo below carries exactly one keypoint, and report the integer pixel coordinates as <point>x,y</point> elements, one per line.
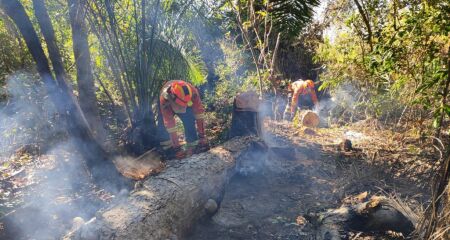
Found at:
<point>180,98</point>
<point>303,95</point>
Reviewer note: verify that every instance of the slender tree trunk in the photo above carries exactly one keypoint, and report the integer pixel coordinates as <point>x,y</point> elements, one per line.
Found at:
<point>430,220</point>
<point>366,22</point>
<point>49,35</point>
<point>120,54</point>
<point>101,31</point>
<point>102,170</point>
<point>248,43</point>
<point>85,78</point>
<point>274,56</point>
<point>444,98</point>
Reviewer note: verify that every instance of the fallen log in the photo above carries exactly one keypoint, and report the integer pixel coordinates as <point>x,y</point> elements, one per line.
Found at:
<point>309,118</point>
<point>166,206</point>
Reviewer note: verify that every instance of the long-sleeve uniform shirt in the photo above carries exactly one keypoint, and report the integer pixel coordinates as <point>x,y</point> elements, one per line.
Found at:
<point>169,108</point>
<point>301,88</point>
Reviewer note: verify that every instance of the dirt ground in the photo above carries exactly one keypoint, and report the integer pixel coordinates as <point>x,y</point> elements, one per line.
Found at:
<point>276,194</point>
<point>41,194</point>
<point>279,194</point>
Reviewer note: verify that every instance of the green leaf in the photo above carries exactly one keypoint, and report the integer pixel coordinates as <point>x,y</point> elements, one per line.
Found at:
<point>436,122</point>
<point>446,109</point>
<point>261,13</point>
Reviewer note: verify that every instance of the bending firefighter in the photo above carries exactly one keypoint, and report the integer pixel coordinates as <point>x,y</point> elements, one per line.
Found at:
<point>303,95</point>
<point>180,98</point>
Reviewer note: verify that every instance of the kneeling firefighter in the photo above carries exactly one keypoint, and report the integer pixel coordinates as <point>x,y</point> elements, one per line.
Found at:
<point>302,95</point>
<point>180,98</point>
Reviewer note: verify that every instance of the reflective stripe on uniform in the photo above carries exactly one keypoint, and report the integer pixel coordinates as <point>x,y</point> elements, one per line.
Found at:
<point>165,143</point>
<point>191,144</point>
<point>165,94</point>
<point>172,130</point>
<point>166,147</point>
<point>199,116</point>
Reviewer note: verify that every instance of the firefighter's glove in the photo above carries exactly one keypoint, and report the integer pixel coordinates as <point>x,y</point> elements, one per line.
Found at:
<point>174,152</point>
<point>288,116</point>
<point>203,142</point>
<point>180,153</point>
<point>202,146</point>
<point>168,153</point>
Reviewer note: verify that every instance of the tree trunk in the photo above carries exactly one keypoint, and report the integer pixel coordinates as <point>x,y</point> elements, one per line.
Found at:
<point>247,41</point>
<point>366,22</point>
<point>102,170</point>
<point>166,206</point>
<point>85,78</point>
<point>445,93</point>
<point>41,14</point>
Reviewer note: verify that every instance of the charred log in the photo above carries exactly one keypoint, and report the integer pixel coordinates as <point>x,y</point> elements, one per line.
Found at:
<point>167,205</point>
<point>379,214</point>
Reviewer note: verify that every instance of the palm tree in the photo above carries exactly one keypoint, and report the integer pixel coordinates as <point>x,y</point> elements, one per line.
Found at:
<point>143,51</point>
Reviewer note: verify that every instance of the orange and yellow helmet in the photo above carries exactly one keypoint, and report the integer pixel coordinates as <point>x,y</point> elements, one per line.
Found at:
<point>309,83</point>
<point>182,93</point>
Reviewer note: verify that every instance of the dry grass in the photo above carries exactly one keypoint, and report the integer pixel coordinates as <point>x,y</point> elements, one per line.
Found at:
<point>401,163</point>
<point>405,154</point>
<point>405,207</point>
<point>442,230</point>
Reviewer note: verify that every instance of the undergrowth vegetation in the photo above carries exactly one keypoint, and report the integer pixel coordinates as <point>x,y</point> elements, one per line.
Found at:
<point>393,54</point>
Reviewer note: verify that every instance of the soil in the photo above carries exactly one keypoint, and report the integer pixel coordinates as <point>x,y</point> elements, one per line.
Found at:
<point>275,194</point>
<point>281,193</point>
<point>47,194</point>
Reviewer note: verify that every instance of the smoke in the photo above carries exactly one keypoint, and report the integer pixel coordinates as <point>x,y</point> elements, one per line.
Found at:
<point>333,105</point>
<point>27,117</point>
<point>343,99</point>
<point>253,161</point>
<point>61,192</point>
<point>52,186</point>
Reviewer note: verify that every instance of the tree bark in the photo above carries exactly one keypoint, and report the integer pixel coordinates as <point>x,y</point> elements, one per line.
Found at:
<point>247,41</point>
<point>85,78</point>
<point>102,170</point>
<point>167,205</point>
<point>45,23</point>
<point>444,98</point>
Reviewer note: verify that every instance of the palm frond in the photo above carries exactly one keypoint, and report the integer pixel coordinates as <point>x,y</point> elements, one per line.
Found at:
<point>290,16</point>
<point>197,70</point>
<point>170,63</point>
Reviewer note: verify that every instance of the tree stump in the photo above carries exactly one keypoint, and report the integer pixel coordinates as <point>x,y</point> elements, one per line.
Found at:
<point>245,119</point>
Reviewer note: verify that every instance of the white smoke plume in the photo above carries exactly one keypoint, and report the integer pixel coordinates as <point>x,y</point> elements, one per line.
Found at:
<point>52,186</point>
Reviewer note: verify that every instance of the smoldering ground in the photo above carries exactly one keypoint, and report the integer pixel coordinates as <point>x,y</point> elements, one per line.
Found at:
<point>341,101</point>
<point>26,116</point>
<point>273,185</point>
<point>46,180</point>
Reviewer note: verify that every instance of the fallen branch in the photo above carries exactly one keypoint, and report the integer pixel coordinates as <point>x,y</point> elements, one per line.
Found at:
<point>378,214</point>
